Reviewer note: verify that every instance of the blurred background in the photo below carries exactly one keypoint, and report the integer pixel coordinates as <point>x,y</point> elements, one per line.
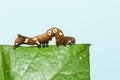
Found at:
<point>95,22</point>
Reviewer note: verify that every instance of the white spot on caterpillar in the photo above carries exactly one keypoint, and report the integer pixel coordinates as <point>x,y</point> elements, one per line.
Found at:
<point>60,33</point>
<point>69,41</point>
<point>16,43</point>
<point>37,42</point>
<point>34,39</point>
<point>49,32</point>
<point>54,30</point>
<point>26,40</point>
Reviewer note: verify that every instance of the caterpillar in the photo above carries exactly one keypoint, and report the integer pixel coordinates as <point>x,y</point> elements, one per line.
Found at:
<point>44,38</point>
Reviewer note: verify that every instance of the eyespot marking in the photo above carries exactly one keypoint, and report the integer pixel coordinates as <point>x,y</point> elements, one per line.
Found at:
<point>60,33</point>
<point>49,32</point>
<point>54,30</point>
<point>26,40</point>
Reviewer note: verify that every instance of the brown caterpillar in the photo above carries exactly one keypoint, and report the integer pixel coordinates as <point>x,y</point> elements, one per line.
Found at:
<point>39,40</point>
<point>44,38</point>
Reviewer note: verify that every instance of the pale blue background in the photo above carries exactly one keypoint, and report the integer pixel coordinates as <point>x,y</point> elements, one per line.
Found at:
<point>90,21</point>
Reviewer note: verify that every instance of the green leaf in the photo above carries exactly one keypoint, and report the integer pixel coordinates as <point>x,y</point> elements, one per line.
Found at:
<point>51,63</point>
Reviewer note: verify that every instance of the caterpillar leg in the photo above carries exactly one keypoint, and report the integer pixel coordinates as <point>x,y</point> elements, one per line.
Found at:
<point>39,46</point>
<point>43,45</point>
<point>64,45</point>
<point>57,45</point>
<point>46,45</point>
